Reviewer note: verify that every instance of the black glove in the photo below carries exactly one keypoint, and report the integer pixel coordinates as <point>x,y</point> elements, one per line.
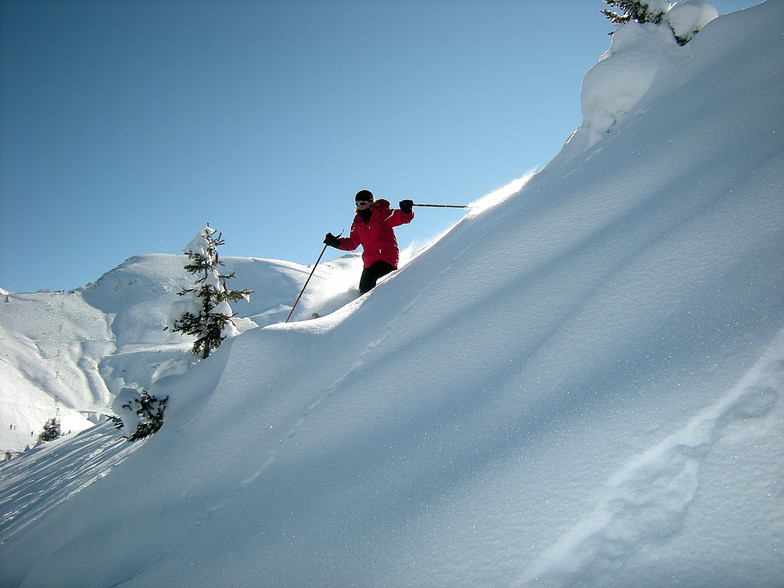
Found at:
<point>406,206</point>
<point>331,240</point>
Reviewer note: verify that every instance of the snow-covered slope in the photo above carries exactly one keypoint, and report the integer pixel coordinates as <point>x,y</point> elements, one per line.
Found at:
<point>80,348</point>
<point>578,386</point>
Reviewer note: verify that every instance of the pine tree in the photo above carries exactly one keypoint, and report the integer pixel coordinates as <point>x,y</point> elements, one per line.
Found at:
<point>149,411</point>
<point>636,10</point>
<point>207,323</point>
<point>644,11</point>
<point>51,430</point>
<point>52,426</point>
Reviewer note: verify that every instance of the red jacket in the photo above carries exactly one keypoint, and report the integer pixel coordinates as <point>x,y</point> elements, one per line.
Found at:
<point>377,236</point>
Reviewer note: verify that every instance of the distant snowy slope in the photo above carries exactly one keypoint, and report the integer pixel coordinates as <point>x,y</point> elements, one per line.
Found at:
<point>81,347</point>
<point>581,385</point>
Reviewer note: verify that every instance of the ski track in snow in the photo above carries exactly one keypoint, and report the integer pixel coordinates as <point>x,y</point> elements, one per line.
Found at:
<point>336,384</point>
<point>649,496</point>
<point>55,471</point>
<point>357,364</point>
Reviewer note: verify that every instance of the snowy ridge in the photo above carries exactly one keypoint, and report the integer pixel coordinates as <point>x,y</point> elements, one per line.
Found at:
<point>580,385</point>
<point>82,347</point>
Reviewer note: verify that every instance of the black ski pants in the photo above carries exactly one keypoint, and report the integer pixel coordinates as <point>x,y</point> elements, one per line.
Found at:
<point>370,275</point>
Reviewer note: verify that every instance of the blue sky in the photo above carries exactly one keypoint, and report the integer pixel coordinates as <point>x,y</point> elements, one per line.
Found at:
<point>125,126</point>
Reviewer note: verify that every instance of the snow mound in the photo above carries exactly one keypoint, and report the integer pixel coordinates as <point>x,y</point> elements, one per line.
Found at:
<point>639,54</point>
<point>688,17</point>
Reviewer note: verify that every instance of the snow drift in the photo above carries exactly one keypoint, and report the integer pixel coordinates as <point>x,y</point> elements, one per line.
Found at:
<point>82,347</point>
<point>580,385</point>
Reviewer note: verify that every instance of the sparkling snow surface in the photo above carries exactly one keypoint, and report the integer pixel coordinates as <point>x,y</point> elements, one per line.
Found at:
<point>579,384</point>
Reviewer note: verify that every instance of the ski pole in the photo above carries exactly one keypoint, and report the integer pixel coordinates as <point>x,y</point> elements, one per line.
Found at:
<point>308,280</point>
<point>443,205</point>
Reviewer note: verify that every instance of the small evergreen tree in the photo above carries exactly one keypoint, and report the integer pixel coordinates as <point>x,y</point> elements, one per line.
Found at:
<point>51,430</point>
<point>207,319</point>
<point>52,426</point>
<point>149,410</point>
<point>652,11</point>
<point>636,10</point>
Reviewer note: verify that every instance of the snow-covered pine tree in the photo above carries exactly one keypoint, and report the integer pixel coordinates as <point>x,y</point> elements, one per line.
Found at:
<point>51,430</point>
<point>137,412</point>
<point>210,314</point>
<point>149,411</point>
<point>52,426</point>
<point>684,19</point>
<point>636,10</point>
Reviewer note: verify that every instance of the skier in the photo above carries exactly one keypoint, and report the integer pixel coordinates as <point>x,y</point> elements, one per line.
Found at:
<point>373,228</point>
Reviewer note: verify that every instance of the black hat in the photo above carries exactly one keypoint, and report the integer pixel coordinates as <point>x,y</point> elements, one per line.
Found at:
<point>364,195</point>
